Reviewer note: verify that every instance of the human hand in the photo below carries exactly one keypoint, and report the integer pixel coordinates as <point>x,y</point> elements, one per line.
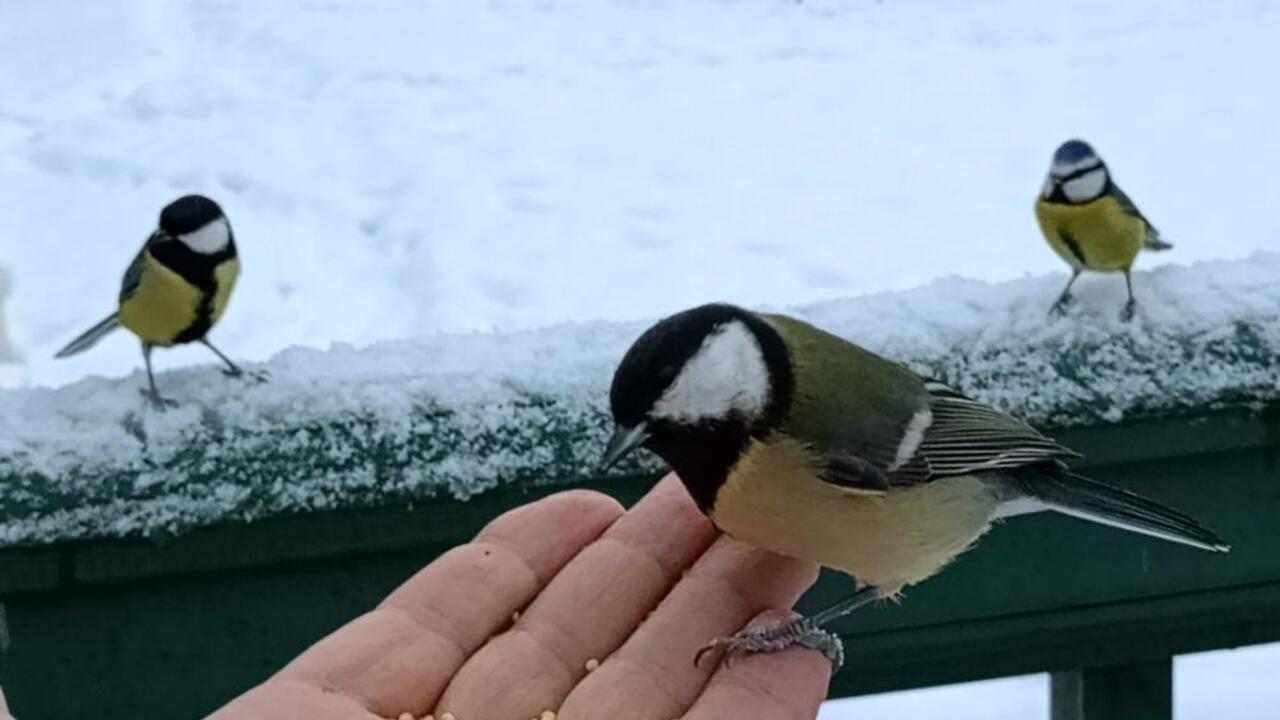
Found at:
<point>638,592</point>
<point>4,709</point>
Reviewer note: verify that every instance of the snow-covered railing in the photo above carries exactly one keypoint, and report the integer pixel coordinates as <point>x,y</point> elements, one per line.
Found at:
<point>256,517</point>
<point>400,422</point>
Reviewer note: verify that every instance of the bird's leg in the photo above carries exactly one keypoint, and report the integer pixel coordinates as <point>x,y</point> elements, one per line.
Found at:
<point>158,401</point>
<point>1059,306</point>
<point>805,632</point>
<point>1131,305</point>
<point>233,370</point>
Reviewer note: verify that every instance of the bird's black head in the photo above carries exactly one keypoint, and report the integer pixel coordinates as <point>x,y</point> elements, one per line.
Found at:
<point>188,214</point>
<point>1076,175</point>
<point>695,388</point>
<point>199,224</point>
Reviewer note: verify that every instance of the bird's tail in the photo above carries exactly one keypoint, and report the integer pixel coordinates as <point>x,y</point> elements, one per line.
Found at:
<point>1091,500</point>
<point>1152,241</point>
<point>90,337</point>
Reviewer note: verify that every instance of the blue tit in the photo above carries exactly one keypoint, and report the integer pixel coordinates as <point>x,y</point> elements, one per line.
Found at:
<point>1089,221</point>
<point>800,442</point>
<point>177,287</point>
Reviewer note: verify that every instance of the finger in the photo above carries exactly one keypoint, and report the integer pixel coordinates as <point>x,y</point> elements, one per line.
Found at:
<point>399,657</point>
<point>653,675</point>
<point>586,612</point>
<point>4,708</point>
<point>279,699</point>
<point>786,685</point>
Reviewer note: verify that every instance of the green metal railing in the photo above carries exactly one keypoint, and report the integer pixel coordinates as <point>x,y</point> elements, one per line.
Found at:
<point>176,629</point>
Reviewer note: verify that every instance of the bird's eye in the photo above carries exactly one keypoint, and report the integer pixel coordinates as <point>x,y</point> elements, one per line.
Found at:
<point>668,372</point>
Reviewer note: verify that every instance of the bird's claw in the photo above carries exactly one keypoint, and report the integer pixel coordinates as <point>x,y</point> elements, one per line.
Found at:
<point>253,376</point>
<point>1059,308</point>
<point>774,639</point>
<point>1129,308</point>
<point>716,644</point>
<point>158,401</point>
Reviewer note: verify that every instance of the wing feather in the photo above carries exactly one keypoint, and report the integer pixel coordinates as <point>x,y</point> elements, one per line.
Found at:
<point>967,436</point>
<point>910,431</point>
<point>133,274</point>
<point>1152,240</point>
<point>963,437</point>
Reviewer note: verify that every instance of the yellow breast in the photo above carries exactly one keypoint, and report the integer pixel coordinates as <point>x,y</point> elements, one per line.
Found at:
<point>164,305</point>
<point>1097,235</point>
<point>774,499</point>
<point>226,275</point>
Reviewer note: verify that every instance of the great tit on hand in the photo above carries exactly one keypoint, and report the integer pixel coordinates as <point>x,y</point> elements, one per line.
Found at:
<point>800,442</point>
<point>1089,221</point>
<point>177,287</point>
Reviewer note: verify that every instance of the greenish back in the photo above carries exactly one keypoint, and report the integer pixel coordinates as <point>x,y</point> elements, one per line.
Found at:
<point>847,400</point>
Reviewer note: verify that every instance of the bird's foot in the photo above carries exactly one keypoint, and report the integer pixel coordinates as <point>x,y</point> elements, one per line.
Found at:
<point>1127,313</point>
<point>775,638</point>
<point>1059,308</point>
<point>158,401</point>
<point>253,376</point>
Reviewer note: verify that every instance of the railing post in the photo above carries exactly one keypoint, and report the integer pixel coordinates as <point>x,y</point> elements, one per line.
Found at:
<point>1137,691</point>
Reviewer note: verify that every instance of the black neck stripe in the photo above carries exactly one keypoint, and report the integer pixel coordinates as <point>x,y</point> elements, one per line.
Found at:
<point>200,270</point>
<point>781,374</point>
<point>1073,245</point>
<point>1081,172</point>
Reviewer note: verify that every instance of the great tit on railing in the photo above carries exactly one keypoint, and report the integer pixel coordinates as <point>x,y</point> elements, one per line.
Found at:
<point>800,442</point>
<point>177,287</point>
<point>1089,221</point>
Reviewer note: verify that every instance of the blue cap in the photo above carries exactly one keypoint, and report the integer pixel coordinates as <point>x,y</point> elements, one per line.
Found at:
<point>1072,152</point>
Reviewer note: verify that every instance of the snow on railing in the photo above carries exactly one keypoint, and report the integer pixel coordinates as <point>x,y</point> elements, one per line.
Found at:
<point>403,421</point>
<point>10,370</point>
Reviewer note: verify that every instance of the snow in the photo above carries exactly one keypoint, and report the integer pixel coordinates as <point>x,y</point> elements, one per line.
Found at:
<point>1242,680</point>
<point>419,170</point>
<point>1200,339</point>
<point>402,420</point>
<point>400,169</point>
<point>10,370</point>
<point>1016,698</point>
<point>1202,685</point>
<point>394,422</point>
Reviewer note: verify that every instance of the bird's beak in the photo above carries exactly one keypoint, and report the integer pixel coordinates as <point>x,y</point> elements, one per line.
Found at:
<point>624,441</point>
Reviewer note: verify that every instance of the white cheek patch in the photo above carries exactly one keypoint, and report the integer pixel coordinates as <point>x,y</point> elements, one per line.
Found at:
<point>210,239</point>
<point>1086,187</point>
<point>727,376</point>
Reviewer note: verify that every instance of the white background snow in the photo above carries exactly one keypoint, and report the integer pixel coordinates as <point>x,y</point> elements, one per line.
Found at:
<point>405,168</point>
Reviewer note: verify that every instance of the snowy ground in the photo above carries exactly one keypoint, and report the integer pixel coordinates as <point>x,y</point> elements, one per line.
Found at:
<point>401,169</point>
<point>10,359</point>
<point>1234,684</point>
<point>396,169</point>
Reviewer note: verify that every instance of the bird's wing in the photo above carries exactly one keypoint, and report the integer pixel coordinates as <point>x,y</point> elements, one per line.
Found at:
<point>859,414</point>
<point>873,424</point>
<point>952,435</point>
<point>1152,241</point>
<point>966,436</point>
<point>133,274</point>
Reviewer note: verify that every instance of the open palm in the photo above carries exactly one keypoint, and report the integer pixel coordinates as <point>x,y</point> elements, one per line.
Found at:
<point>569,605</point>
